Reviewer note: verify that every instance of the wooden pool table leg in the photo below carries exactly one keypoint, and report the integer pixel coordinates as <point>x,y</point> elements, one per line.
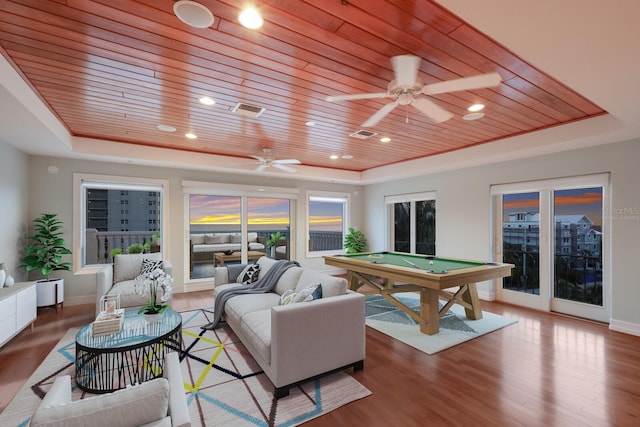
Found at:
<point>429,311</point>
<point>471,297</point>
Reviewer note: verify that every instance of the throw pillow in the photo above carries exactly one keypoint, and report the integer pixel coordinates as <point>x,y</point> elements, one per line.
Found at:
<point>149,265</point>
<point>287,297</point>
<point>310,293</point>
<point>249,274</point>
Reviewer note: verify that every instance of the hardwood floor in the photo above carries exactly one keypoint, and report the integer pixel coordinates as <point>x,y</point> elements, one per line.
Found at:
<point>546,370</point>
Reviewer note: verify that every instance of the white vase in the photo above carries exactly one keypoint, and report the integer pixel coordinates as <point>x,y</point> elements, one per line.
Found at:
<point>152,317</point>
<point>3,275</point>
<point>9,281</point>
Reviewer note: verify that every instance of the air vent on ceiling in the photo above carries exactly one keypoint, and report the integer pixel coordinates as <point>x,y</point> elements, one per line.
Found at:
<point>247,110</point>
<point>363,134</point>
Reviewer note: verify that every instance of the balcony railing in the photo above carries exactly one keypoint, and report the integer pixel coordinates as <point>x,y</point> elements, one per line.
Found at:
<point>99,244</point>
<point>576,277</point>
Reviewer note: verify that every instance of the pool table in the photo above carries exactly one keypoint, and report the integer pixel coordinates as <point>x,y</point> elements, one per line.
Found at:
<point>395,272</point>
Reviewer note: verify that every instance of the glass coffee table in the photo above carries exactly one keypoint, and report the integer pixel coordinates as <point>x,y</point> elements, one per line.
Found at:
<point>110,362</point>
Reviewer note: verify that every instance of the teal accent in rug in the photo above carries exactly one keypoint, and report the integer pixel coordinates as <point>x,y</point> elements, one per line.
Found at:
<point>224,385</point>
<point>455,328</point>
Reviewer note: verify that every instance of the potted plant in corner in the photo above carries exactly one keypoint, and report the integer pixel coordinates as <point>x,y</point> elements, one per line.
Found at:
<point>271,242</point>
<point>355,241</point>
<point>44,254</point>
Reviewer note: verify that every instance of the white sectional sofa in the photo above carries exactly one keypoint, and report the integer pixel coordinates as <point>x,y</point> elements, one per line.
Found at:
<point>203,246</point>
<point>298,341</point>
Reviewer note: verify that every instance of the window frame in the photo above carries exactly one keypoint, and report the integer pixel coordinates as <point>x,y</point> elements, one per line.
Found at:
<point>111,182</point>
<point>332,197</point>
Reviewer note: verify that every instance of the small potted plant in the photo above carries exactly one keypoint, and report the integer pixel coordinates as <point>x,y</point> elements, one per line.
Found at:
<point>45,254</point>
<point>273,240</point>
<point>355,241</point>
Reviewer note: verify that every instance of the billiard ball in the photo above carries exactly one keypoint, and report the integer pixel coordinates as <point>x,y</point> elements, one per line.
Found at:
<point>430,262</point>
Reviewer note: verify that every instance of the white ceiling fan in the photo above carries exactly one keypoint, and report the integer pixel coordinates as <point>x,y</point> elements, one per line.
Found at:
<point>267,160</point>
<point>406,89</point>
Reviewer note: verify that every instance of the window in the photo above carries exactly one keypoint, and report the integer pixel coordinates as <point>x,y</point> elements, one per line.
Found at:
<point>217,211</point>
<point>327,223</point>
<point>102,223</point>
<point>412,222</point>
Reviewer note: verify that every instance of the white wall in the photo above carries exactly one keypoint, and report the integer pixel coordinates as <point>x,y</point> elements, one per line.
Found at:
<point>463,211</point>
<point>54,193</point>
<point>14,179</point>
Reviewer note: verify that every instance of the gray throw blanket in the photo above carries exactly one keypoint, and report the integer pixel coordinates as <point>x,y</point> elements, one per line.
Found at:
<point>261,286</point>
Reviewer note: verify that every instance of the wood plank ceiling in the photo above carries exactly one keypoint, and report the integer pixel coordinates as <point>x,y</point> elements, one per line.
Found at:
<point>116,69</point>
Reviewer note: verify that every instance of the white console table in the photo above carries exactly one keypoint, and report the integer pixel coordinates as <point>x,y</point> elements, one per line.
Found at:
<point>18,309</point>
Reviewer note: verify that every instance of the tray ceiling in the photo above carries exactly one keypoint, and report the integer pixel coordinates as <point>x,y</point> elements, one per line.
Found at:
<point>114,70</point>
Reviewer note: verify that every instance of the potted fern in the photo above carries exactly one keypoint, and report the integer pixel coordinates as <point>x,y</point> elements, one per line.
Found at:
<point>355,241</point>
<point>45,254</point>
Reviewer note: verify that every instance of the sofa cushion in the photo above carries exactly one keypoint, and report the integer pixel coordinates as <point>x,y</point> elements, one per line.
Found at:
<point>132,406</point>
<point>196,239</point>
<point>252,237</point>
<point>128,295</point>
<point>237,307</point>
<point>216,239</point>
<point>127,266</point>
<point>249,274</point>
<point>288,280</point>
<point>265,264</point>
<point>256,326</point>
<point>331,285</point>
<point>235,238</point>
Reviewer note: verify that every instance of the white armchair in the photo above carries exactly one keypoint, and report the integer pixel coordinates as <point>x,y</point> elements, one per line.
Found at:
<point>118,278</point>
<point>158,402</point>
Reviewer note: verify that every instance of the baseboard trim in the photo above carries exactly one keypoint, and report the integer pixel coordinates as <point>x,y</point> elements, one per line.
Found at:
<point>624,327</point>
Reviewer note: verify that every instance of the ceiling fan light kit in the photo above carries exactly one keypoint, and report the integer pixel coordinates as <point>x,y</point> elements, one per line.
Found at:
<point>267,160</point>
<point>407,88</point>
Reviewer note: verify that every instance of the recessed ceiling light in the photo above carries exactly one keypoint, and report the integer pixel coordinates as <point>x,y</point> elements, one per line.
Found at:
<point>473,116</point>
<point>385,139</point>
<point>347,156</point>
<point>191,135</point>
<point>310,123</point>
<point>166,128</point>
<point>476,107</point>
<point>250,18</point>
<point>333,156</point>
<point>206,100</point>
<point>193,14</point>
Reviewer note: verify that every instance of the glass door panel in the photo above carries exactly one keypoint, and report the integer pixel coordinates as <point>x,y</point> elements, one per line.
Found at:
<point>521,241</point>
<point>269,221</point>
<point>402,227</point>
<point>426,227</point>
<point>578,264</point>
<point>214,225</point>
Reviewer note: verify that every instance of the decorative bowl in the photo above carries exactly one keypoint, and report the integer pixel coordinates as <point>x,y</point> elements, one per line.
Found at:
<point>228,252</point>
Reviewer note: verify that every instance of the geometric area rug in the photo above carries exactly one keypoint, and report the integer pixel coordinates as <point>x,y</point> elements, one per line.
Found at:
<point>223,383</point>
<point>455,328</point>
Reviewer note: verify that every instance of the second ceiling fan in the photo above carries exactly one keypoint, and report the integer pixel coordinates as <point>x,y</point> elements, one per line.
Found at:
<point>406,89</point>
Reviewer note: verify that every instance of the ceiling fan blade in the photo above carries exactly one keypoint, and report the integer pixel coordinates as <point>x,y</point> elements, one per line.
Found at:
<point>431,110</point>
<point>337,98</point>
<point>380,114</point>
<point>287,161</point>
<point>466,83</point>
<point>405,68</point>
<point>283,167</point>
<point>261,168</point>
